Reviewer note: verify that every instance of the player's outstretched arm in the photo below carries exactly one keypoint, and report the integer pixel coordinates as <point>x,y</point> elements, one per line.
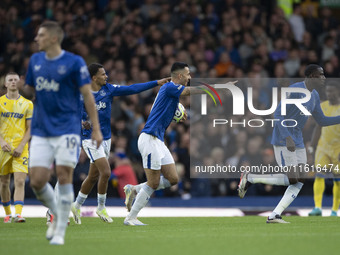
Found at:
<point>27,136</point>
<point>199,89</point>
<point>92,112</point>
<point>138,87</point>
<point>161,82</point>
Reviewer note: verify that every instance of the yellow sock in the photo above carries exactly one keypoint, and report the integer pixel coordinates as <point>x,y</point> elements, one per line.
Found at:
<point>318,188</point>
<point>7,207</point>
<point>18,209</point>
<point>336,195</point>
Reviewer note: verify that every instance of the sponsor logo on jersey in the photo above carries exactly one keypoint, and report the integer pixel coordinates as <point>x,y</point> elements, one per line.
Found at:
<point>12,115</point>
<point>44,84</point>
<point>37,68</point>
<point>100,105</point>
<point>61,70</point>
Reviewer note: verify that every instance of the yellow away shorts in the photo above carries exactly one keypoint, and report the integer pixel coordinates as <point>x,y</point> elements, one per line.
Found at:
<point>10,164</point>
<point>329,158</point>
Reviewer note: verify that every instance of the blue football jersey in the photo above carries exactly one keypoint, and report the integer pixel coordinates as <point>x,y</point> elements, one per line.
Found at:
<point>280,133</point>
<point>163,110</point>
<point>57,82</point>
<point>103,99</point>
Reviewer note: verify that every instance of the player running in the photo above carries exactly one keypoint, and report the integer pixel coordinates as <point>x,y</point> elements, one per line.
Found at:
<point>99,167</point>
<point>15,131</point>
<point>288,143</point>
<point>57,76</point>
<point>156,156</point>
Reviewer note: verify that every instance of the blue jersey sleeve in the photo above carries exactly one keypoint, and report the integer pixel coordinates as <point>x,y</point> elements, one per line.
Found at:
<point>174,90</point>
<point>29,77</point>
<point>82,75</point>
<point>118,90</point>
<point>320,118</point>
<point>282,130</point>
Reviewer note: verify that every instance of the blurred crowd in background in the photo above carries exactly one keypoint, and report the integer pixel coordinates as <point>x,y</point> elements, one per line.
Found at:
<point>138,41</point>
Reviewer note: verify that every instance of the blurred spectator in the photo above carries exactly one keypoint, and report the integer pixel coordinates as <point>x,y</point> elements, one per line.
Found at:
<point>297,23</point>
<point>123,172</point>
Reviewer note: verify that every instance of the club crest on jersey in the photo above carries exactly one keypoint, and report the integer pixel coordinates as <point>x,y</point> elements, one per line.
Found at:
<point>37,67</point>
<point>61,70</point>
<point>102,93</point>
<point>100,105</point>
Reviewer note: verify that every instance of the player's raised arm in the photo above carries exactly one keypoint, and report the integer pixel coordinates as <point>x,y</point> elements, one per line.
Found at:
<point>92,112</point>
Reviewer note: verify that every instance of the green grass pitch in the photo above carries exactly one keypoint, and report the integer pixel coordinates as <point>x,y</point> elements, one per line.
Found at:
<point>231,235</point>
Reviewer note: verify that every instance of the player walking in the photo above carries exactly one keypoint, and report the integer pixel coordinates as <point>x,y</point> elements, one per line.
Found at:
<point>57,77</point>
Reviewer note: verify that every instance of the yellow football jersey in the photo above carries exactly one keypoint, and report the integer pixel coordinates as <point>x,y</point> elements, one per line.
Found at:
<point>330,135</point>
<point>13,116</point>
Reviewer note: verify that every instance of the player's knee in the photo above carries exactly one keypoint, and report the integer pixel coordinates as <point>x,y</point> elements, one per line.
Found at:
<point>36,184</point>
<point>4,183</point>
<point>93,179</point>
<point>301,180</point>
<point>293,180</point>
<point>19,183</point>
<point>105,175</point>
<point>153,184</point>
<point>174,180</point>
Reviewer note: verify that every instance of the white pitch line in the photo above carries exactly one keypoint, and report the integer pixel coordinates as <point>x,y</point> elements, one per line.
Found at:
<point>119,211</point>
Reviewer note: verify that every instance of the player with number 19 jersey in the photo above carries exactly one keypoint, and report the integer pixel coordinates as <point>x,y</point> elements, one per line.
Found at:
<point>57,104</point>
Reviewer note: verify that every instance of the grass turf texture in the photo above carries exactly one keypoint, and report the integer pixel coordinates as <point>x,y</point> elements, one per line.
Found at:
<point>236,235</point>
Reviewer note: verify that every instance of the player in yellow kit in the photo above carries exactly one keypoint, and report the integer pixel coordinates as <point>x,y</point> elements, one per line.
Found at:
<point>15,124</point>
<point>327,154</point>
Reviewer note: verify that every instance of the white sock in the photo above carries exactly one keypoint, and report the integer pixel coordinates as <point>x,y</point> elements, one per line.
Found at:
<point>139,187</point>
<point>163,184</point>
<point>65,199</point>
<point>101,198</point>
<point>56,190</point>
<point>142,199</point>
<point>291,193</point>
<point>80,200</point>
<point>47,197</point>
<point>271,179</point>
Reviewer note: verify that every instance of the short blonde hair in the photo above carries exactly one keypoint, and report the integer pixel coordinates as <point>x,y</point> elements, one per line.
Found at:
<point>54,28</point>
<point>10,73</point>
